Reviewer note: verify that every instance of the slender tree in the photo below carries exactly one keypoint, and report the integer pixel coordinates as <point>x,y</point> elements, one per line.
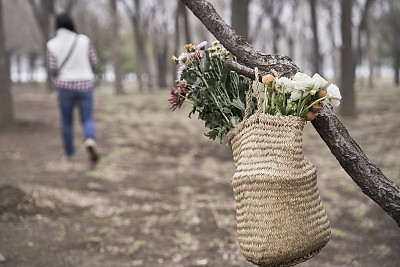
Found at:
<point>240,17</point>
<point>6,104</point>
<point>139,27</point>
<point>348,61</point>
<point>389,32</point>
<point>316,60</point>
<point>273,10</point>
<point>116,47</point>
<point>182,12</point>
<point>161,36</point>
<point>44,12</point>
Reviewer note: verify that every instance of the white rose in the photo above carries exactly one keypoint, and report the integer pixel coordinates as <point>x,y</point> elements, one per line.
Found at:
<point>302,85</point>
<point>314,88</point>
<point>285,83</point>
<point>295,95</point>
<point>303,82</point>
<point>321,81</point>
<point>302,77</point>
<point>333,94</point>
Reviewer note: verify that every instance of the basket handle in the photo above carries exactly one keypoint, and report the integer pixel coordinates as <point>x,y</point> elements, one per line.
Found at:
<point>249,94</point>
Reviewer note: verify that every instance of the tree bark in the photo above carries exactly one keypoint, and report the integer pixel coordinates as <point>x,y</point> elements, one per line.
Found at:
<point>367,176</point>
<point>116,48</point>
<point>6,104</point>
<point>353,160</point>
<point>240,17</point>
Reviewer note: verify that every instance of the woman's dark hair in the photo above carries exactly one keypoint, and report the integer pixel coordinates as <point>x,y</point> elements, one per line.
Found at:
<point>65,21</point>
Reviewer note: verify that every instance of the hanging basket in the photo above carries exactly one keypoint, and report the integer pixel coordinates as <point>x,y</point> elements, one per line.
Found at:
<point>280,218</point>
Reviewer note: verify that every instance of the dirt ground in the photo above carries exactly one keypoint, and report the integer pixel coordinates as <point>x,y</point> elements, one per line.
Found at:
<point>161,194</point>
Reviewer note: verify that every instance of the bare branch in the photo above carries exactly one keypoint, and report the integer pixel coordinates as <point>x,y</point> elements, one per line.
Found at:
<point>353,160</point>
<point>236,44</point>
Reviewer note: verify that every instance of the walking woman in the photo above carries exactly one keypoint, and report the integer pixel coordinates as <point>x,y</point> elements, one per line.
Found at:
<point>71,58</point>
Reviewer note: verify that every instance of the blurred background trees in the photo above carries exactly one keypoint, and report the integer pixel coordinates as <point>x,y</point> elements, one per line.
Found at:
<point>346,41</point>
<point>6,108</point>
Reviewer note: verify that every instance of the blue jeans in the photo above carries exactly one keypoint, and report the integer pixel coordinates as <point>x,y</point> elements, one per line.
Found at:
<point>67,100</point>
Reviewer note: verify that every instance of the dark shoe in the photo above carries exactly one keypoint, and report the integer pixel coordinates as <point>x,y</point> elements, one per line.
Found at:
<point>91,148</point>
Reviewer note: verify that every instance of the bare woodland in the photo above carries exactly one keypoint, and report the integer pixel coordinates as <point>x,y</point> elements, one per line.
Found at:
<point>353,42</point>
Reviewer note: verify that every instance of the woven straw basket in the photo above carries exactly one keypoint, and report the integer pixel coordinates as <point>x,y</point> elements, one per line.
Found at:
<point>280,219</point>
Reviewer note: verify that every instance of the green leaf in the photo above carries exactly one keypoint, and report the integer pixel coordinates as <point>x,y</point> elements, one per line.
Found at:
<point>212,134</point>
<point>211,81</point>
<point>225,75</point>
<point>203,64</point>
<point>237,103</point>
<point>198,81</point>
<point>235,121</point>
<point>227,110</point>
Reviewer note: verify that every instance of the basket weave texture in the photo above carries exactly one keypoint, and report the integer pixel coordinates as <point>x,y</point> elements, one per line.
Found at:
<point>279,215</point>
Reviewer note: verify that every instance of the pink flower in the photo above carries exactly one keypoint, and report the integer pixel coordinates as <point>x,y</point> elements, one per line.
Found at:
<point>201,46</point>
<point>181,69</point>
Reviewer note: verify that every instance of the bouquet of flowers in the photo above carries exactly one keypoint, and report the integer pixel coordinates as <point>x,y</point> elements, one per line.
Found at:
<point>275,186</point>
<point>218,94</point>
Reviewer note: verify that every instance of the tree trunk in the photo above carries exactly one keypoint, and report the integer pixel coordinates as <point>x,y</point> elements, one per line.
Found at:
<point>6,104</point>
<point>138,33</point>
<point>116,48</point>
<point>371,54</point>
<point>396,67</point>
<point>162,66</point>
<point>335,51</point>
<point>42,13</point>
<point>240,17</point>
<point>19,68</point>
<point>183,14</point>
<point>367,176</point>
<point>348,62</point>
<point>314,25</point>
<point>177,36</point>
<point>32,59</point>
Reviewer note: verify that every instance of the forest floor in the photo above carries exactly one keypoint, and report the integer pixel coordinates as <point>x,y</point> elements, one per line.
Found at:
<point>161,194</point>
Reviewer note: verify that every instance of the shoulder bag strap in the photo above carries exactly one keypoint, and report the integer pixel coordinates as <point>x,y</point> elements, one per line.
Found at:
<point>69,54</point>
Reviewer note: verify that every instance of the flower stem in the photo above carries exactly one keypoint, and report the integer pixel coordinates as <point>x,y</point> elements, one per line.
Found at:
<point>316,101</point>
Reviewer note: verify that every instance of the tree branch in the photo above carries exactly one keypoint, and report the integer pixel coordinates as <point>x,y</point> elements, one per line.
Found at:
<point>353,160</point>
<point>236,44</point>
<point>350,156</point>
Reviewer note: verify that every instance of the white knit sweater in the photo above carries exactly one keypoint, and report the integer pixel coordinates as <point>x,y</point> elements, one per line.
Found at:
<point>78,65</point>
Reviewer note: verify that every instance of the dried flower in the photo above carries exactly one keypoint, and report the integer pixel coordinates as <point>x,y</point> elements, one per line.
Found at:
<point>190,47</point>
<point>266,79</point>
<point>322,93</point>
<point>310,116</point>
<point>178,94</point>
